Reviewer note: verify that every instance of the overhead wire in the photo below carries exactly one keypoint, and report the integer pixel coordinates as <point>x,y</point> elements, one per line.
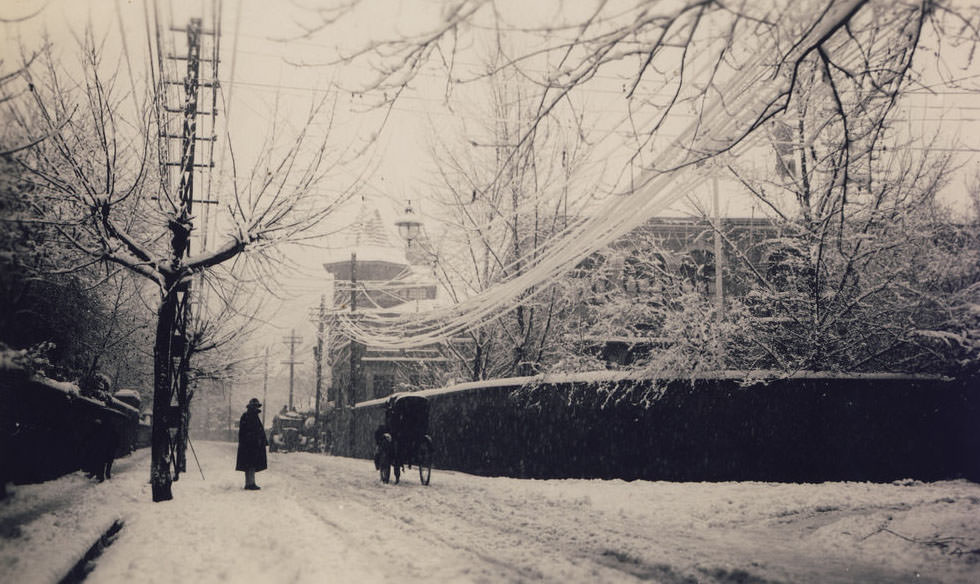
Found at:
<point>750,95</point>
<point>652,194</point>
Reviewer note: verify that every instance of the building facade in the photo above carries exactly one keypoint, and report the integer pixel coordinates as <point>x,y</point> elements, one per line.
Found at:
<point>379,276</point>
<point>713,256</point>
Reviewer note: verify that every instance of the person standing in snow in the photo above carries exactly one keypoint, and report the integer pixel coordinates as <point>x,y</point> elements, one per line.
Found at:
<point>100,449</point>
<point>251,444</point>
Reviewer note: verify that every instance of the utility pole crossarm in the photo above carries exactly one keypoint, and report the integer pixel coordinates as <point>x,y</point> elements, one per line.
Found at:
<point>292,340</point>
<point>174,342</point>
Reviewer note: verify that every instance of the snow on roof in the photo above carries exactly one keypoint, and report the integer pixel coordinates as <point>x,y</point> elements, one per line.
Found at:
<point>633,340</point>
<point>128,393</point>
<point>605,376</point>
<point>369,230</point>
<point>8,360</point>
<point>290,414</point>
<point>121,405</point>
<point>506,382</point>
<point>369,238</point>
<point>408,307</point>
<point>386,359</point>
<point>366,253</point>
<point>91,400</point>
<point>63,386</point>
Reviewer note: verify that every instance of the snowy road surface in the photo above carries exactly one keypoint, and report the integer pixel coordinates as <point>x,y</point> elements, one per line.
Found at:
<point>329,519</point>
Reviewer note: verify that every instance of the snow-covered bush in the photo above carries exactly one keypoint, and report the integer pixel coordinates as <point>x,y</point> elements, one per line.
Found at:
<point>96,385</point>
<point>33,360</point>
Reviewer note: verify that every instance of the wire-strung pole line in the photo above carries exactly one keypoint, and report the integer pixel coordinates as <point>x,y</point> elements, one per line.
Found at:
<point>755,91</point>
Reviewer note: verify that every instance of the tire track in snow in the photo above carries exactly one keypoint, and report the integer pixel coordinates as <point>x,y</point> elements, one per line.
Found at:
<point>468,527</point>
<point>501,538</point>
<point>480,529</point>
<point>390,522</point>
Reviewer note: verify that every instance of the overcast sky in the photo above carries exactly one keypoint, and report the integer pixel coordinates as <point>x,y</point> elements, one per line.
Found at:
<point>260,48</point>
<point>260,73</point>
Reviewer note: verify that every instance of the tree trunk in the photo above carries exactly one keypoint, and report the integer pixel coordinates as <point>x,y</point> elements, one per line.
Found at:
<point>160,479</point>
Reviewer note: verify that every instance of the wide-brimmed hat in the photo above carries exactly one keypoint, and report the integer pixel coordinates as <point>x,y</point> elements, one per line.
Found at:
<point>254,403</point>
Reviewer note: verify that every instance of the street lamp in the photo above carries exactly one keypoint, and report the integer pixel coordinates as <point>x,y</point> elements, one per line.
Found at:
<point>409,226</point>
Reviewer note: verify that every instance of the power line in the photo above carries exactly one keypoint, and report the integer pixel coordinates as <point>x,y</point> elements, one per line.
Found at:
<point>292,340</point>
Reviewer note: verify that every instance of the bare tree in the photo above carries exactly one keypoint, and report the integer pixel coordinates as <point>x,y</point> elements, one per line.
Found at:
<point>670,59</point>
<point>9,76</point>
<point>696,79</point>
<point>97,183</point>
<point>844,288</point>
<point>88,317</point>
<point>502,199</point>
<point>865,270</point>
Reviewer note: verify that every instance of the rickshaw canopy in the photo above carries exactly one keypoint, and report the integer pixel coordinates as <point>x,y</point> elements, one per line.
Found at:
<point>407,415</point>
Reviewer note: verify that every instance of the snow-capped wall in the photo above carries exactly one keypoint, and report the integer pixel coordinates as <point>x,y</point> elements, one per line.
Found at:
<point>817,427</point>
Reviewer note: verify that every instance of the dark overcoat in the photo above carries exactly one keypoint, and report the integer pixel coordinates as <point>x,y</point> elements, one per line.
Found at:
<point>251,442</point>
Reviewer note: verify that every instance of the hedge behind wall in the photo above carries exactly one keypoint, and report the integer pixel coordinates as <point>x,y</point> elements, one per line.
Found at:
<point>807,429</point>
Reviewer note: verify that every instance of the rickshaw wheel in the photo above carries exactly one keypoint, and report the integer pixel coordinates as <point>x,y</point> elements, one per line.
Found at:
<point>425,462</point>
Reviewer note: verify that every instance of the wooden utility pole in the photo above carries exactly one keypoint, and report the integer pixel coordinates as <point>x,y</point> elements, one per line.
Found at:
<point>186,194</point>
<point>318,355</point>
<point>172,343</point>
<point>265,386</point>
<point>228,430</point>
<point>355,358</point>
<point>292,340</point>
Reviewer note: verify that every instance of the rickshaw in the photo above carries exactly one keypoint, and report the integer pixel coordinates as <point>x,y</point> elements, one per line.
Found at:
<point>403,439</point>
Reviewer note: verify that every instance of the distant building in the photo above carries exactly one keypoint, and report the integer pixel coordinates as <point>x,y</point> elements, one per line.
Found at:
<point>392,280</point>
<point>687,247</point>
<point>387,282</point>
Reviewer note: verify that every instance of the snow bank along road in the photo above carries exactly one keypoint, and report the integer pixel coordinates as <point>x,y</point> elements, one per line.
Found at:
<point>328,519</point>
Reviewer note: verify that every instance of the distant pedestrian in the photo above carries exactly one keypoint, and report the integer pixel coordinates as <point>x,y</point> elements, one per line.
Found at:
<point>251,444</point>
<point>101,446</point>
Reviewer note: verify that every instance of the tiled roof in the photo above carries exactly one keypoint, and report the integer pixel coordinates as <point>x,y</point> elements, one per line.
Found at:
<point>368,237</point>
<point>369,230</point>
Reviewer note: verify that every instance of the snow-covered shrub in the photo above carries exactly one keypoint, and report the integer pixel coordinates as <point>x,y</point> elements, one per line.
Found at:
<point>97,385</point>
<point>33,360</point>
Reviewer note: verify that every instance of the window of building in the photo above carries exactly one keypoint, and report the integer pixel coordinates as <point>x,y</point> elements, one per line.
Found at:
<point>384,385</point>
<point>698,267</point>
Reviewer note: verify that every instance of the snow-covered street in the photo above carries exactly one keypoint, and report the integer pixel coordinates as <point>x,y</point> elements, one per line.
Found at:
<point>321,518</point>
